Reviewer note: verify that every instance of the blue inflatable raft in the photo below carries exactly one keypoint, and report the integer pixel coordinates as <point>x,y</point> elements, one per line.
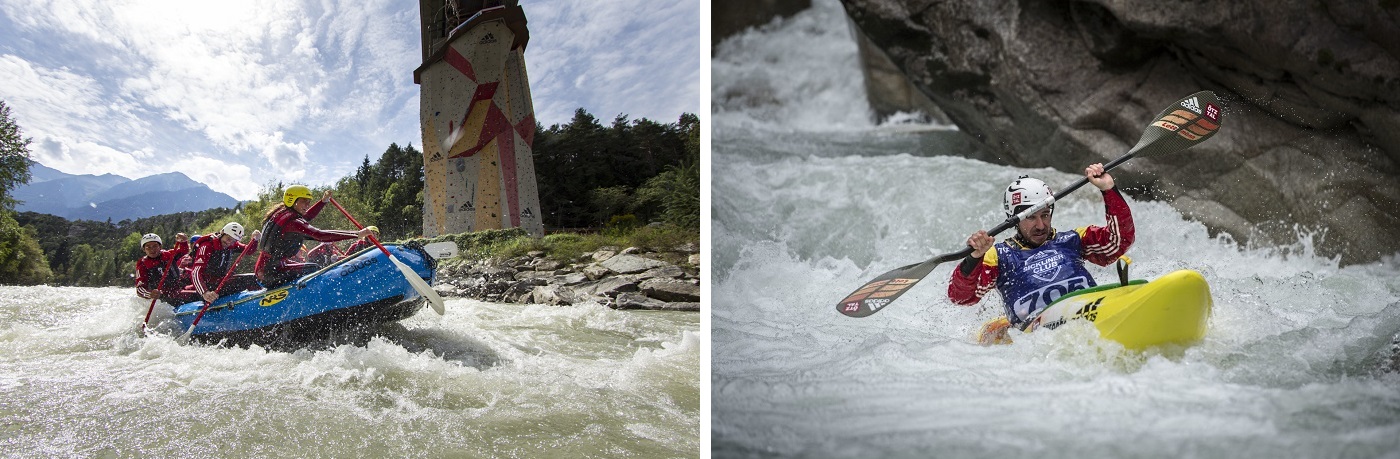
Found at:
<point>353,294</point>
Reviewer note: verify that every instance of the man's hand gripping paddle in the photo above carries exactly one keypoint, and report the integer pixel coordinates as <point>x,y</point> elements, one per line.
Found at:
<point>1187,122</point>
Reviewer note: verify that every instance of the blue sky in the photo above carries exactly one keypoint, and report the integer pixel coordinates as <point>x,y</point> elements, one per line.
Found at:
<point>238,94</point>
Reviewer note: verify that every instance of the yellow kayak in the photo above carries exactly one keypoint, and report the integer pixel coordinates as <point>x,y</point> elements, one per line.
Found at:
<point>1173,309</point>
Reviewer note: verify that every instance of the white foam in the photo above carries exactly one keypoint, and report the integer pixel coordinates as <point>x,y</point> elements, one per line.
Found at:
<point>1294,356</point>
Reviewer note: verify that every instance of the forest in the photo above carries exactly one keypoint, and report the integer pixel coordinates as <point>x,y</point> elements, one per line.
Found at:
<point>590,177</point>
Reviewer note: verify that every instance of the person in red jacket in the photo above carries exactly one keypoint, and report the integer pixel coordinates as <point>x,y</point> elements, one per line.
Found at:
<point>323,254</point>
<point>326,253</point>
<point>363,242</point>
<point>285,227</point>
<point>214,256</point>
<point>1038,265</point>
<point>158,264</point>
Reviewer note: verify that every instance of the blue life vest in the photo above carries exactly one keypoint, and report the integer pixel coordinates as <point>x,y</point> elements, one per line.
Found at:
<point>1031,279</point>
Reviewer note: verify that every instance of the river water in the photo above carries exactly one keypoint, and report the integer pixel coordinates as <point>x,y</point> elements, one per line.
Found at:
<point>810,200</point>
<point>485,380</point>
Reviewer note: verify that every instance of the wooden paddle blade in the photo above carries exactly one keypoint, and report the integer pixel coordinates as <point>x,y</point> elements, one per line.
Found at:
<point>1189,121</point>
<point>420,285</point>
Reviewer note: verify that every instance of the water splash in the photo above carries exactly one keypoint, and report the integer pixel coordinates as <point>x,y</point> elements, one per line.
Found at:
<point>809,200</point>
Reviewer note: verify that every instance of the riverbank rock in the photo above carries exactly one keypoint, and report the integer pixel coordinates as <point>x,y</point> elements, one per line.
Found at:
<point>622,278</point>
<point>1310,147</point>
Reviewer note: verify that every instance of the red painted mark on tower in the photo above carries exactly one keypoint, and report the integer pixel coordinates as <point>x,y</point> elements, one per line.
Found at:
<point>459,62</point>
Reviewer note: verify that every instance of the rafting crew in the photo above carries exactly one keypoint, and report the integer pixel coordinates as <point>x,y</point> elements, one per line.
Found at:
<point>1038,265</point>
<point>194,268</point>
<point>214,256</point>
<point>285,227</point>
<point>157,275</point>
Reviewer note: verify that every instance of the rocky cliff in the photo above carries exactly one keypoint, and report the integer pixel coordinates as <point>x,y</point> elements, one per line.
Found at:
<point>1311,142</point>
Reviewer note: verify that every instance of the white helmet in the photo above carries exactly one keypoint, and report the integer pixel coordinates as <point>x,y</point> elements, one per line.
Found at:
<point>1024,192</point>
<point>234,229</point>
<point>151,237</point>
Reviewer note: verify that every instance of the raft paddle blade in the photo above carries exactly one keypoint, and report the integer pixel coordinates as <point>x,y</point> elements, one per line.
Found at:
<point>441,250</point>
<point>419,284</point>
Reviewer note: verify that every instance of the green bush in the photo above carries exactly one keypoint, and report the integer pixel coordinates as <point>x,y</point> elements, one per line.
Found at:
<point>621,225</point>
<point>21,260</point>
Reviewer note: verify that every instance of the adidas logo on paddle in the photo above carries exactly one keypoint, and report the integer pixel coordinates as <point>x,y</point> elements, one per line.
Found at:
<point>1192,104</point>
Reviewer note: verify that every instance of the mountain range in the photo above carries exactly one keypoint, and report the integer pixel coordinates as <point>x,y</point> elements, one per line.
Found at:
<point>100,197</point>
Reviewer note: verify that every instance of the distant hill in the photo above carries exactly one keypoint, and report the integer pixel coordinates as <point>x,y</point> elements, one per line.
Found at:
<point>99,197</point>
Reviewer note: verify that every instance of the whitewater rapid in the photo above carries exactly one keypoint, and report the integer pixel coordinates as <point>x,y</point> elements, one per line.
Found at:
<point>809,199</point>
<point>485,380</point>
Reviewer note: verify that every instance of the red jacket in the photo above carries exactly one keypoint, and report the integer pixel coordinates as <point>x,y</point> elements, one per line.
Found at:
<point>283,233</point>
<point>149,271</point>
<point>323,254</point>
<point>212,260</point>
<point>359,245</point>
<point>1101,245</point>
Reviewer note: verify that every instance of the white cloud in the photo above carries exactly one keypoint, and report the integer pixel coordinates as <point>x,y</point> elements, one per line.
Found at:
<point>232,178</point>
<point>83,157</point>
<point>635,57</point>
<point>63,104</point>
<point>300,91</point>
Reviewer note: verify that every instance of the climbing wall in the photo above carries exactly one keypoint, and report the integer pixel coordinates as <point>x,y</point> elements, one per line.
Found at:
<point>478,128</point>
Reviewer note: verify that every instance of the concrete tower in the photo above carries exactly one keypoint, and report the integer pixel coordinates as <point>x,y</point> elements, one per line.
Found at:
<point>477,118</point>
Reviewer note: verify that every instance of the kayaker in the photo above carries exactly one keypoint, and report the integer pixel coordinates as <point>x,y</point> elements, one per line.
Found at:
<point>214,256</point>
<point>158,264</point>
<point>285,227</point>
<point>1038,265</point>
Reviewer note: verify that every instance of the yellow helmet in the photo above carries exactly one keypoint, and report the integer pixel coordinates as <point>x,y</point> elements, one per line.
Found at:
<point>295,192</point>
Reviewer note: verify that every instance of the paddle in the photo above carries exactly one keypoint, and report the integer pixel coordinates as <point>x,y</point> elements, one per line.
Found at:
<point>234,267</point>
<point>417,282</point>
<point>1187,122</point>
<point>156,296</point>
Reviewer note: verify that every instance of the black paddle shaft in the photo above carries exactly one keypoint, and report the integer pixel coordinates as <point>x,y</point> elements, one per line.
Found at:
<point>1189,121</point>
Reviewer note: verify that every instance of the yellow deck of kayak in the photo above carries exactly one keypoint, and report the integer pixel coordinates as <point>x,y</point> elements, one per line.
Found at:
<point>1173,309</point>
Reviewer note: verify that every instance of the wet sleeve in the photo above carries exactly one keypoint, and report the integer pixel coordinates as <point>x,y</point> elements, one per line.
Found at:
<point>201,258</point>
<point>314,210</point>
<point>968,288</point>
<point>1102,245</point>
<point>141,290</point>
<point>299,225</point>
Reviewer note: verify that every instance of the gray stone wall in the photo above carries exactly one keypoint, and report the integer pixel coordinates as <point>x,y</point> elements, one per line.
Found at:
<point>1311,139</point>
